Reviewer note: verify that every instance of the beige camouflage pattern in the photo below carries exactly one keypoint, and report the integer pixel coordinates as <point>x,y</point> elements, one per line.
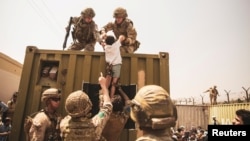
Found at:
<point>126,28</point>
<point>162,135</point>
<point>78,104</point>
<point>155,101</point>
<point>85,35</point>
<point>49,93</point>
<point>88,12</point>
<point>83,128</point>
<point>154,112</point>
<point>120,12</point>
<point>115,125</point>
<point>43,128</point>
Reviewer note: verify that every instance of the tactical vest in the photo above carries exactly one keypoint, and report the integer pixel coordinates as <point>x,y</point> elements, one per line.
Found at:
<point>53,132</point>
<point>79,130</point>
<point>121,29</point>
<point>84,32</point>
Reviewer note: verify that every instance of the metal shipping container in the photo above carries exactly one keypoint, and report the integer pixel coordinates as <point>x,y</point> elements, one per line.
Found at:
<point>225,113</point>
<point>74,70</point>
<point>192,115</point>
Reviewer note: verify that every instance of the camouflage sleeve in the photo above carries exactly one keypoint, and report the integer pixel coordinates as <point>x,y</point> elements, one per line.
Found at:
<point>75,20</point>
<point>97,34</point>
<point>100,119</point>
<point>107,27</point>
<point>131,33</point>
<point>38,128</point>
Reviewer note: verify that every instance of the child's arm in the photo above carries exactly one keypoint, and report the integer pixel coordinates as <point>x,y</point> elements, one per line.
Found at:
<point>121,38</point>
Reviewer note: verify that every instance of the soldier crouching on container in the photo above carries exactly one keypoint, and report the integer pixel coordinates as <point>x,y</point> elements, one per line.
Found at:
<point>122,26</point>
<point>85,33</point>
<point>45,126</point>
<point>154,113</point>
<point>78,124</point>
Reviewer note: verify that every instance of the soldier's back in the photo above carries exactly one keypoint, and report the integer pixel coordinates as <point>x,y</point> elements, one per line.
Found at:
<point>77,130</point>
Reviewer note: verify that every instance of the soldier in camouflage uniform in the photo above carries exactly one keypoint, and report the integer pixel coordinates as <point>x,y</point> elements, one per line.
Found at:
<point>78,124</point>
<point>154,113</point>
<point>45,126</point>
<point>122,26</point>
<point>85,31</point>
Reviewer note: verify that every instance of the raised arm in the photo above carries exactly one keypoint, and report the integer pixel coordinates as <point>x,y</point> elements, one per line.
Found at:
<point>102,82</point>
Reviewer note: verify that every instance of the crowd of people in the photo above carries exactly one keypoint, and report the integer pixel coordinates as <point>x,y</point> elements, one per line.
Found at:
<point>194,134</point>
<point>7,113</point>
<point>151,109</point>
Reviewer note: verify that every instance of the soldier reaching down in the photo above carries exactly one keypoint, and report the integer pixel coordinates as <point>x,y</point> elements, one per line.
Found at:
<point>123,26</point>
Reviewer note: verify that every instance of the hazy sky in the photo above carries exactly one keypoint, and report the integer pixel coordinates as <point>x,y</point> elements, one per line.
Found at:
<point>208,40</point>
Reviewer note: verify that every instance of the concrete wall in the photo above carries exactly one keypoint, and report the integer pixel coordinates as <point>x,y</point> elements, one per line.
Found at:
<point>10,74</point>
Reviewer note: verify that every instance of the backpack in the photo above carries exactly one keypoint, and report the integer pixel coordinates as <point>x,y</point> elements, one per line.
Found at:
<point>28,121</point>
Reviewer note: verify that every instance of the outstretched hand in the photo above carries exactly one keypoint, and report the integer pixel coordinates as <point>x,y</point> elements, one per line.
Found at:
<point>102,80</point>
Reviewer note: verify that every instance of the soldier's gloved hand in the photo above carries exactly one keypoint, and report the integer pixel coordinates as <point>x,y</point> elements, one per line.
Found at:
<point>122,38</point>
<point>128,41</point>
<point>103,35</point>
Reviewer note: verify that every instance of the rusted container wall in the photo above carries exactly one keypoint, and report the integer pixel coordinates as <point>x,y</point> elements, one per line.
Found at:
<point>192,115</point>
<point>225,113</point>
<point>72,68</point>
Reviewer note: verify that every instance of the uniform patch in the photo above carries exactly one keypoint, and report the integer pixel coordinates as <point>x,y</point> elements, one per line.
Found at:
<point>101,114</point>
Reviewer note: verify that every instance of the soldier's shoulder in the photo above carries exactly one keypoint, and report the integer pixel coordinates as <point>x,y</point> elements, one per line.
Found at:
<point>147,138</point>
<point>40,118</point>
<point>129,21</point>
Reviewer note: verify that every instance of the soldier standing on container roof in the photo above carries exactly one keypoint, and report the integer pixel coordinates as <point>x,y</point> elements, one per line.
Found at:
<point>154,113</point>
<point>45,126</point>
<point>215,93</point>
<point>85,31</point>
<point>211,95</point>
<point>78,124</point>
<point>122,26</point>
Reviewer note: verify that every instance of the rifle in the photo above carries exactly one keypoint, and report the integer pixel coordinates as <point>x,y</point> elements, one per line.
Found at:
<point>67,33</point>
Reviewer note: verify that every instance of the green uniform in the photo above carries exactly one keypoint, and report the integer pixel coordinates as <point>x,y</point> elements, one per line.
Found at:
<point>85,35</point>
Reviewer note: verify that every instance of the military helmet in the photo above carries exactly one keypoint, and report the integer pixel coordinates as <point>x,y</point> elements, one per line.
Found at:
<point>50,93</point>
<point>88,12</point>
<point>120,12</point>
<point>78,104</point>
<point>152,101</point>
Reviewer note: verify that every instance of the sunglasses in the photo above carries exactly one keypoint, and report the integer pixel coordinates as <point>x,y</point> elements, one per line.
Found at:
<point>55,99</point>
